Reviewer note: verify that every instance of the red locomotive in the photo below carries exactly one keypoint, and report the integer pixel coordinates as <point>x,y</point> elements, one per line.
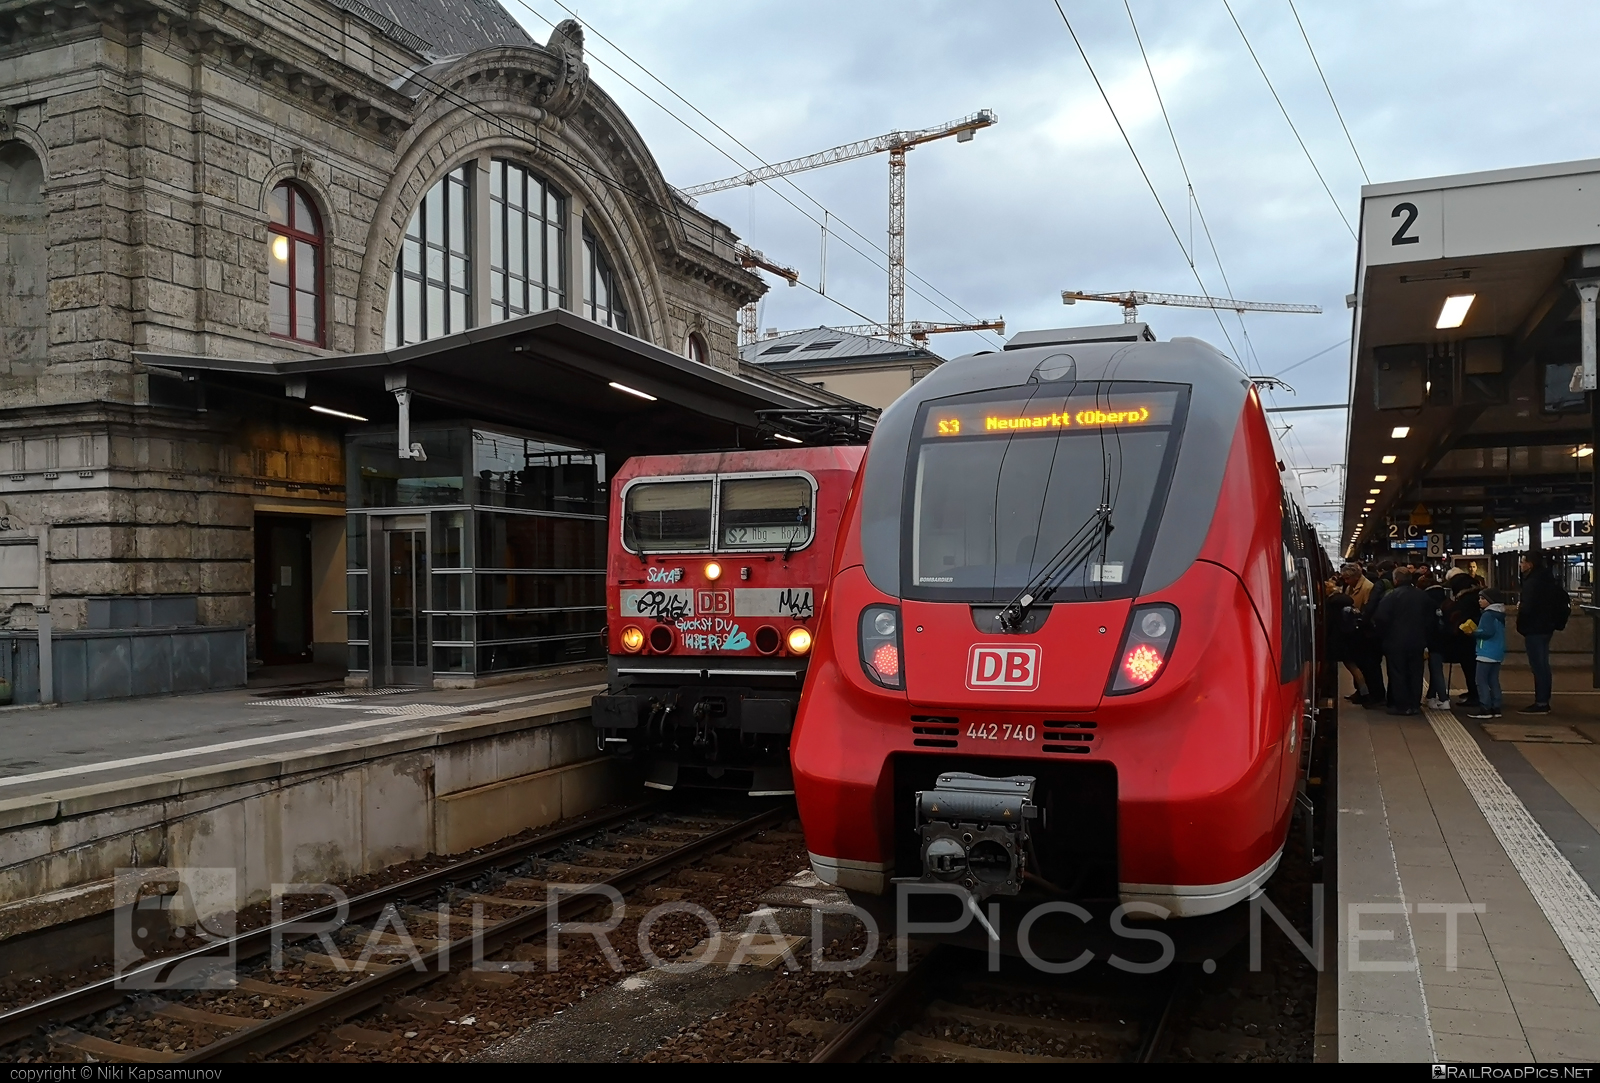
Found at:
<point>1068,647</point>
<point>718,562</point>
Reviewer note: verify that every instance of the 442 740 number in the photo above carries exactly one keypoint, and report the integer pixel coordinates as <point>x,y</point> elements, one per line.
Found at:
<point>994,731</point>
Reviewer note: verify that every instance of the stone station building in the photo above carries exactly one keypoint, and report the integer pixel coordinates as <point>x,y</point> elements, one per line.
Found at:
<point>304,181</point>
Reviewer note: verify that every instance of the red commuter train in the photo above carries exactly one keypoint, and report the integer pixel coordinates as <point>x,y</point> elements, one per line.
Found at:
<point>717,565</point>
<point>1068,650</point>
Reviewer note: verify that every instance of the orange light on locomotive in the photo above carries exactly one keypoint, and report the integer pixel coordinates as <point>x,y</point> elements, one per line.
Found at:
<point>713,570</point>
<point>799,640</point>
<point>632,639</point>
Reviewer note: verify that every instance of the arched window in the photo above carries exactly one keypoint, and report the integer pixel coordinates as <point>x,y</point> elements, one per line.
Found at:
<point>432,290</point>
<point>294,266</point>
<point>526,264</point>
<point>24,257</point>
<point>695,349</point>
<point>602,300</point>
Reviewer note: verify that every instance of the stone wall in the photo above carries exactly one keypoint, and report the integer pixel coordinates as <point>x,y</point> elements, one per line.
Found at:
<point>138,148</point>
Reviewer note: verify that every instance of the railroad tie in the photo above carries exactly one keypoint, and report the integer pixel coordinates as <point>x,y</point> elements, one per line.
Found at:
<point>590,872</point>
<point>184,1014</point>
<point>340,963</point>
<point>267,989</point>
<point>910,1044</point>
<point>101,1049</point>
<point>499,900</point>
<point>362,1038</point>
<point>1055,1028</point>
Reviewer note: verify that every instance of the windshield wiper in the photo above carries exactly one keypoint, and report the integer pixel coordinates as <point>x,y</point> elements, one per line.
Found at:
<point>1072,555</point>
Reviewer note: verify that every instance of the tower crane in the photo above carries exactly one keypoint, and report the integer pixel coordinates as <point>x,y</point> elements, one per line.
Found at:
<point>751,258</point>
<point>1130,300</point>
<point>896,144</point>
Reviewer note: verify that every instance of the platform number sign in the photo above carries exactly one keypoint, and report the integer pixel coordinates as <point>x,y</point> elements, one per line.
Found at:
<point>1406,213</point>
<point>1435,546</point>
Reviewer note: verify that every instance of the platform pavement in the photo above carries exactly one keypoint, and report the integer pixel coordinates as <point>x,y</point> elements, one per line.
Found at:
<point>1436,811</point>
<point>47,749</point>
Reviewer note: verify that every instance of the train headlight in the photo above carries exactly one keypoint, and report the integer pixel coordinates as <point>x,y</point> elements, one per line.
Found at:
<point>880,646</point>
<point>799,640</point>
<point>1146,646</point>
<point>632,639</point>
<point>713,570</point>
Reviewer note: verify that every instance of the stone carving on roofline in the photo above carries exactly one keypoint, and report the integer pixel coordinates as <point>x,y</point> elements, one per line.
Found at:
<point>572,74</point>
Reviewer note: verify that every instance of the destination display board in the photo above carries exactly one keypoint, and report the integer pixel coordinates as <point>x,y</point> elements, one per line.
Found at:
<point>1053,414</point>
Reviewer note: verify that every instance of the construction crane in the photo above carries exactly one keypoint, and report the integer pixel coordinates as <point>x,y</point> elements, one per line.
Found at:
<point>917,330</point>
<point>750,258</point>
<point>896,144</point>
<point>1130,300</point>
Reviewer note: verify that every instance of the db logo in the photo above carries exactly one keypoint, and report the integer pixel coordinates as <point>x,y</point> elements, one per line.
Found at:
<point>1014,668</point>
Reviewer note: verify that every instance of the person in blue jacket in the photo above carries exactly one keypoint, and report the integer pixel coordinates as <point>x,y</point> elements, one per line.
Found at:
<point>1489,639</point>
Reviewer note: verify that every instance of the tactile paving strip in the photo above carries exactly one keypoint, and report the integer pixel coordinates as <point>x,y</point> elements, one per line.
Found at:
<point>1565,897</point>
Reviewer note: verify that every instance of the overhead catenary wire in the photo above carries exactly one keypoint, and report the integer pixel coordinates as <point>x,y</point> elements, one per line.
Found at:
<point>1176,236</point>
<point>1284,110</point>
<point>1313,357</point>
<point>833,216</point>
<point>1194,198</point>
<point>1331,99</point>
<point>578,165</point>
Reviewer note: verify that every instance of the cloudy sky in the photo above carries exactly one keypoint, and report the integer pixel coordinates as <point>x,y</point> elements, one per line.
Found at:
<point>1051,197</point>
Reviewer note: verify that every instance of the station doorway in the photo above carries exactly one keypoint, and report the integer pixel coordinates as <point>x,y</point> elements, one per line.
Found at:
<point>400,603</point>
<point>284,630</point>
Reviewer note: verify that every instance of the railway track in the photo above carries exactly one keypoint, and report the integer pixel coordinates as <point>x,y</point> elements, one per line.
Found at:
<point>946,1008</point>
<point>391,944</point>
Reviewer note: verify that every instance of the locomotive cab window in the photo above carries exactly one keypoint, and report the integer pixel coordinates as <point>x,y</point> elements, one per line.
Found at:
<point>1003,484</point>
<point>667,516</point>
<point>765,513</point>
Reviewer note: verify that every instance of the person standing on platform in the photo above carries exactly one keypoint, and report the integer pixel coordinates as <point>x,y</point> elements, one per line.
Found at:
<point>1373,660</point>
<point>1405,620</point>
<point>1438,688</point>
<point>1542,611</point>
<point>1359,655</point>
<point>1459,645</point>
<point>1490,638</point>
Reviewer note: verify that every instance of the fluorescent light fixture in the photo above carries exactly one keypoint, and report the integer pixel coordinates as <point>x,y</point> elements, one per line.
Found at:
<point>1400,431</point>
<point>1374,492</point>
<point>631,391</point>
<point>1583,452</point>
<point>1371,501</point>
<point>792,440</point>
<point>1389,460</point>
<point>1380,477</point>
<point>1454,312</point>
<point>337,413</point>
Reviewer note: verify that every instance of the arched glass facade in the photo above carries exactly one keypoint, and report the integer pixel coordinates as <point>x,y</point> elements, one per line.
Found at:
<point>432,290</point>
<point>526,264</point>
<point>602,300</point>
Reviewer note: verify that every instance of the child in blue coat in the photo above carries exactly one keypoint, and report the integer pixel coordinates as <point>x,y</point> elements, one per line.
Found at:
<point>1489,638</point>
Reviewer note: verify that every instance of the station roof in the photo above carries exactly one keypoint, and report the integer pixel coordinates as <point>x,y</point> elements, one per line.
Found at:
<point>1477,418</point>
<point>829,346</point>
<point>553,372</point>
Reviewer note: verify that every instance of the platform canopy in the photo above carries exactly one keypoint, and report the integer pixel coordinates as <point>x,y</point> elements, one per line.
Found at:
<point>553,373</point>
<point>1466,335</point>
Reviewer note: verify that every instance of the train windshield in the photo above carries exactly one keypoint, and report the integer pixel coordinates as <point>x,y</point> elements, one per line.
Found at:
<point>667,516</point>
<point>1003,481</point>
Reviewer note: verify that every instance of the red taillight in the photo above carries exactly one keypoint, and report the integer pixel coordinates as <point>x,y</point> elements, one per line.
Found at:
<point>1142,664</point>
<point>880,645</point>
<point>1145,647</point>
